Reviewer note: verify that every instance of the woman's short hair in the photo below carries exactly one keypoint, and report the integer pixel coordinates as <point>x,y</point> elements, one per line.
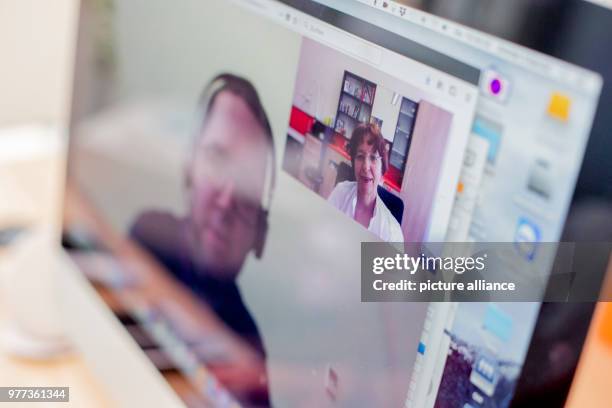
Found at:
<point>370,133</point>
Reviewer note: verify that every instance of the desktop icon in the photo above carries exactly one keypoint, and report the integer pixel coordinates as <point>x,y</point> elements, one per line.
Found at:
<point>526,238</point>
<point>485,374</point>
<point>541,180</point>
<point>495,86</point>
<point>559,106</point>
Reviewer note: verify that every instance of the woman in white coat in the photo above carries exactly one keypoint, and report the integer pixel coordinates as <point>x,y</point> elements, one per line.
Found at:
<point>359,199</point>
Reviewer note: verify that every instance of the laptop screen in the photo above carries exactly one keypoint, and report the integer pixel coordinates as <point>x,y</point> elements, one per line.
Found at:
<point>228,159</point>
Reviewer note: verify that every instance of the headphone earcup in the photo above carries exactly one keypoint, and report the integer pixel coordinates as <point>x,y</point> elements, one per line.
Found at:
<point>261,233</point>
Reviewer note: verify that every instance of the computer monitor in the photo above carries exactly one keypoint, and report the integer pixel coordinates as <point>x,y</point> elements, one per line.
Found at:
<point>227,160</point>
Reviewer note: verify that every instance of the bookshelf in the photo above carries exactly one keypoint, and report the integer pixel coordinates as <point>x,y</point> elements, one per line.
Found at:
<point>355,103</point>
<point>403,134</point>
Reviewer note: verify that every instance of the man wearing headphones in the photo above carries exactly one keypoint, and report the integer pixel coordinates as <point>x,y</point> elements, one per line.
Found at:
<point>229,182</point>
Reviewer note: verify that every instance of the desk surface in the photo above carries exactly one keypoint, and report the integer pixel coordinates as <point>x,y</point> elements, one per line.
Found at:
<point>69,370</point>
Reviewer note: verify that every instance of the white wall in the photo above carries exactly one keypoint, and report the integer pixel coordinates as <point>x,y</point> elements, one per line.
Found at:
<point>319,81</point>
<point>36,43</point>
<point>385,110</point>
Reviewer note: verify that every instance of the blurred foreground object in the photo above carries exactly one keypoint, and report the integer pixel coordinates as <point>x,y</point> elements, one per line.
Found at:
<point>34,329</point>
<point>31,177</point>
<point>592,385</point>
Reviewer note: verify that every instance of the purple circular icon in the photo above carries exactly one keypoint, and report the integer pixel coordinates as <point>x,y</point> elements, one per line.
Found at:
<point>495,86</point>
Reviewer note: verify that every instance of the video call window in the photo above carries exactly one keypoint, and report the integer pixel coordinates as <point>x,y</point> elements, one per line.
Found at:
<point>372,144</point>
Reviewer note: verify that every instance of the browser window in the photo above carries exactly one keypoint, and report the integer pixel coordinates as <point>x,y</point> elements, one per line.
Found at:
<point>343,81</point>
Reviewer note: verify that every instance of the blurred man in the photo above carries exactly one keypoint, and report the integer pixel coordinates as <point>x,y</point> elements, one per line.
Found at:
<point>229,179</point>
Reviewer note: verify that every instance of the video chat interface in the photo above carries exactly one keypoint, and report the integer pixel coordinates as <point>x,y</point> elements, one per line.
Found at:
<point>453,118</point>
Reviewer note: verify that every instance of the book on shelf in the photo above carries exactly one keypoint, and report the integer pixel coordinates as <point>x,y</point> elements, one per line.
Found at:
<point>339,125</point>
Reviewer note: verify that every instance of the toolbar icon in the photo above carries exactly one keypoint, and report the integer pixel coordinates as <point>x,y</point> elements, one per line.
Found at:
<point>495,85</point>
<point>559,106</point>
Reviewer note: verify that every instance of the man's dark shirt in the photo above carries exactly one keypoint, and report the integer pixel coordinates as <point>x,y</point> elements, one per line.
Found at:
<point>165,237</point>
